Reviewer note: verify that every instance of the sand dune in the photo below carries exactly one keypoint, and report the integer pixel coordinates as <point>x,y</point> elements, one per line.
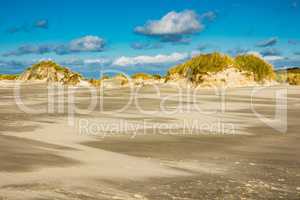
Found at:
<point>157,156</point>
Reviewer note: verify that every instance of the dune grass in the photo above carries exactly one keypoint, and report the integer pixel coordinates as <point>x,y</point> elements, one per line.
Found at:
<point>216,62</point>
<point>94,82</point>
<point>41,70</point>
<point>8,76</point>
<point>72,79</point>
<point>193,69</point>
<point>255,65</point>
<point>143,76</point>
<point>48,64</point>
<point>290,76</point>
<point>213,62</point>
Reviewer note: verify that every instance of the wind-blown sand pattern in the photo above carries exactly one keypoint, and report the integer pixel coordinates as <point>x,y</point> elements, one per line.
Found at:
<point>149,100</point>
<point>43,157</point>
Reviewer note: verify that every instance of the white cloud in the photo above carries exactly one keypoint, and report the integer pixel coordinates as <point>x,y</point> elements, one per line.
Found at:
<point>86,62</point>
<point>269,42</point>
<point>85,44</point>
<point>43,23</point>
<point>274,58</point>
<point>98,61</point>
<point>42,59</point>
<point>255,53</point>
<point>173,23</point>
<point>267,58</point>
<point>195,53</point>
<point>210,16</point>
<point>88,43</point>
<point>150,60</point>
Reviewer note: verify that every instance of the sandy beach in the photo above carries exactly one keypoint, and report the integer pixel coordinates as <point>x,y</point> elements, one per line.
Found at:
<point>142,152</point>
<point>149,100</point>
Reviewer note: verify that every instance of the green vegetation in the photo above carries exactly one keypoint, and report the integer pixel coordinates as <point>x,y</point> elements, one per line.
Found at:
<point>71,79</point>
<point>195,69</point>
<point>123,78</point>
<point>43,69</point>
<point>145,76</point>
<point>142,76</point>
<point>120,76</point>
<point>216,62</point>
<point>156,76</point>
<point>203,63</point>
<point>52,72</point>
<point>293,79</point>
<point>94,82</point>
<point>290,76</point>
<point>48,64</point>
<point>104,77</point>
<point>256,66</point>
<point>295,70</point>
<point>124,82</point>
<point>8,76</point>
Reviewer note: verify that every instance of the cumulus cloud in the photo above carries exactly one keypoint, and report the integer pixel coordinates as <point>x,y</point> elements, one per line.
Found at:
<point>255,53</point>
<point>287,63</point>
<point>271,52</point>
<point>173,26</point>
<point>202,47</point>
<point>268,42</point>
<point>13,66</point>
<point>17,29</point>
<point>180,41</point>
<point>195,53</point>
<point>43,24</point>
<point>86,62</point>
<point>88,43</point>
<point>13,63</point>
<point>84,44</point>
<point>271,55</point>
<point>97,61</point>
<point>39,24</point>
<point>150,60</point>
<point>72,62</point>
<point>269,58</point>
<point>145,45</point>
<point>173,23</point>
<point>237,51</point>
<point>293,42</point>
<point>30,49</point>
<point>274,58</point>
<point>210,16</point>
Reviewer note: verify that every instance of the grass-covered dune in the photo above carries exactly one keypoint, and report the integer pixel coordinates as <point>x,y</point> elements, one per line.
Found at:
<point>51,72</point>
<point>290,76</point>
<point>217,62</point>
<point>145,76</point>
<point>9,76</point>
<point>47,64</point>
<point>261,69</point>
<point>203,69</point>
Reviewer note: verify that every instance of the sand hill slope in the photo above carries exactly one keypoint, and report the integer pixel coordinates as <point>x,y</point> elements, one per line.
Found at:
<point>218,69</point>
<point>205,70</point>
<point>49,71</point>
<point>290,76</point>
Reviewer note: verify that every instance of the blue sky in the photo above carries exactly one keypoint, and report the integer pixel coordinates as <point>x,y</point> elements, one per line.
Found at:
<point>150,36</point>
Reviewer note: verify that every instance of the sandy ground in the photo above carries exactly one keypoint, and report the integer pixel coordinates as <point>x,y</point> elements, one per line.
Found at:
<point>145,152</point>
